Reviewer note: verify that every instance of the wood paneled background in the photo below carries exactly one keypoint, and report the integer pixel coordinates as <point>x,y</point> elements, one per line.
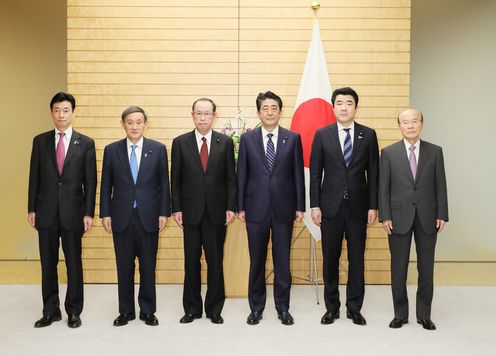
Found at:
<point>163,54</point>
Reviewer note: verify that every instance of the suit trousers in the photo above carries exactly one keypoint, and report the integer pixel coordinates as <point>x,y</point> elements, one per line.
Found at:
<point>258,239</point>
<point>399,245</point>
<point>49,257</point>
<point>134,242</point>
<point>343,224</point>
<point>211,236</point>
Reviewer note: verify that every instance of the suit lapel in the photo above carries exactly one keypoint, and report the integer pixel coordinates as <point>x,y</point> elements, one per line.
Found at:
<point>73,146</point>
<point>402,157</point>
<point>214,148</point>
<point>423,156</point>
<point>357,142</point>
<point>259,146</point>
<point>193,147</point>
<point>282,137</point>
<point>146,151</point>
<point>124,157</point>
<point>50,148</point>
<point>334,141</point>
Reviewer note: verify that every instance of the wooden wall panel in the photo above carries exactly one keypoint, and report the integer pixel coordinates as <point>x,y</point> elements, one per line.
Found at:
<point>163,54</point>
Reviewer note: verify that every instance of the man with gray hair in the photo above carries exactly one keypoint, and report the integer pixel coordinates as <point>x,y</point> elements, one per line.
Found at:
<point>134,205</point>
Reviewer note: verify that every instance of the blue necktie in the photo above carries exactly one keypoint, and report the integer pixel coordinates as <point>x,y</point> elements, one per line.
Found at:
<point>271,152</point>
<point>133,162</point>
<point>347,147</point>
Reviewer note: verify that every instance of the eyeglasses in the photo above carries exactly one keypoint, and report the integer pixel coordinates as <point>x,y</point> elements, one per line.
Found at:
<point>207,114</point>
<point>413,122</point>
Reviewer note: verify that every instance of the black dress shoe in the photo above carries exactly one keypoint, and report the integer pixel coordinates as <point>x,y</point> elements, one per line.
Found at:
<point>149,319</point>
<point>285,318</point>
<point>329,317</point>
<point>48,320</point>
<point>397,323</point>
<point>123,319</point>
<point>74,321</point>
<point>188,318</point>
<point>427,324</point>
<point>254,318</point>
<point>356,317</point>
<point>215,318</point>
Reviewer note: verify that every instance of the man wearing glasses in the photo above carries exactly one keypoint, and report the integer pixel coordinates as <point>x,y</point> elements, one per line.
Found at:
<point>412,198</point>
<point>203,202</point>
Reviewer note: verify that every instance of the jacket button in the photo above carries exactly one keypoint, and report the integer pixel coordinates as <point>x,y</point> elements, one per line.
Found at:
<point>60,183</point>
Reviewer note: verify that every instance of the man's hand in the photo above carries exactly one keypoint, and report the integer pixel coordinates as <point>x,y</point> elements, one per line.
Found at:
<point>388,226</point>
<point>32,219</point>
<point>371,216</point>
<point>107,224</point>
<point>88,223</point>
<point>241,216</point>
<point>230,215</point>
<point>162,221</point>
<point>178,218</point>
<point>298,216</point>
<point>440,225</point>
<point>316,216</point>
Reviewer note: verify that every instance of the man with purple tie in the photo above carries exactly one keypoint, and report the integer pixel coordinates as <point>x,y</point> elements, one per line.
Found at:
<point>413,198</point>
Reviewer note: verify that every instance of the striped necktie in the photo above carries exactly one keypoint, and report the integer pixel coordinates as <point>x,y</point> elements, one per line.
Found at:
<point>270,153</point>
<point>347,147</point>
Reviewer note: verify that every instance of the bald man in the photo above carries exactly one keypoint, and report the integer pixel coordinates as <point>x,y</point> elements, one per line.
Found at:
<point>413,198</point>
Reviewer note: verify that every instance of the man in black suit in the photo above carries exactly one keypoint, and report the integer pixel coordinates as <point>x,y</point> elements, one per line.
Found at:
<point>343,197</point>
<point>413,197</point>
<point>271,197</point>
<point>61,204</point>
<point>134,205</point>
<point>203,202</point>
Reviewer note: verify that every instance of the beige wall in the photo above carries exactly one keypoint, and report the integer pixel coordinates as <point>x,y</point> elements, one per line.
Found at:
<point>453,83</point>
<point>164,54</point>
<point>32,68</point>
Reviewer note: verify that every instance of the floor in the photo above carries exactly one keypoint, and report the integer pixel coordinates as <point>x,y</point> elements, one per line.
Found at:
<point>465,317</point>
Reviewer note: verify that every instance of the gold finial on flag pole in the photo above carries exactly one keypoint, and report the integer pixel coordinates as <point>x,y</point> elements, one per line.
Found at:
<point>315,7</point>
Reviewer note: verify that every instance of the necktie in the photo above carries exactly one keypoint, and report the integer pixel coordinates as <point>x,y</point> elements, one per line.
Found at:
<point>60,153</point>
<point>204,154</point>
<point>133,162</point>
<point>270,153</point>
<point>347,147</point>
<point>413,161</point>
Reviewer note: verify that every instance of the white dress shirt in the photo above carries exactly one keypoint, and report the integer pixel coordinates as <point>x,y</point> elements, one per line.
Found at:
<point>199,140</point>
<point>138,149</point>
<point>275,132</point>
<point>67,138</point>
<point>342,134</point>
<point>417,149</point>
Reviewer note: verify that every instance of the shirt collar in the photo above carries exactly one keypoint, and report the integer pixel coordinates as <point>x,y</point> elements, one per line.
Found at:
<point>408,145</point>
<point>68,132</point>
<point>341,127</point>
<point>199,136</point>
<point>275,132</point>
<point>139,143</point>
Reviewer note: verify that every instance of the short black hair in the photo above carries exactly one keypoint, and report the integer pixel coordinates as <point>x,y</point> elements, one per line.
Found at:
<point>268,95</point>
<point>214,107</point>
<point>60,97</point>
<point>345,91</point>
<point>133,109</point>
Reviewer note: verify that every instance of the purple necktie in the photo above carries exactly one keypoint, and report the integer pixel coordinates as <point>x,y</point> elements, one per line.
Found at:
<point>60,153</point>
<point>413,161</point>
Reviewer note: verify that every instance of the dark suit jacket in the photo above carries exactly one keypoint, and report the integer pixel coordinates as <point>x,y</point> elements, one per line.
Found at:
<point>193,189</point>
<point>71,195</point>
<point>360,178</point>
<point>263,194</point>
<point>400,195</point>
<point>151,191</point>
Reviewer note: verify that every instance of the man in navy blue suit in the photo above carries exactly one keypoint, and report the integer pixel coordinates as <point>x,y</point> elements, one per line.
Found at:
<point>134,205</point>
<point>271,197</point>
